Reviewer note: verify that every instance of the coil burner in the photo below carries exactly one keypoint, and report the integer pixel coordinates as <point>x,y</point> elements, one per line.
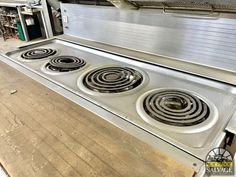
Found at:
<point>65,64</point>
<point>176,108</point>
<point>112,79</point>
<point>39,53</point>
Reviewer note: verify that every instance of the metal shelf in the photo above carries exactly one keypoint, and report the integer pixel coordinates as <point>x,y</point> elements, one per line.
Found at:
<point>10,26</point>
<point>13,16</point>
<point>8,22</point>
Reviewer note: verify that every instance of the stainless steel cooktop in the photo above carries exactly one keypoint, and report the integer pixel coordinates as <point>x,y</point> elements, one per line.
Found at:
<point>186,111</point>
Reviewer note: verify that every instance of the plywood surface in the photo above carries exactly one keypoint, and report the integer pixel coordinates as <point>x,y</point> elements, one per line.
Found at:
<point>42,134</point>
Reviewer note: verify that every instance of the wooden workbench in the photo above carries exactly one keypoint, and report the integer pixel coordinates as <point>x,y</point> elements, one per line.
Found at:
<point>42,134</point>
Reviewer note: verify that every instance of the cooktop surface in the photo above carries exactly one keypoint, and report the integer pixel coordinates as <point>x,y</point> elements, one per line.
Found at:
<point>171,105</point>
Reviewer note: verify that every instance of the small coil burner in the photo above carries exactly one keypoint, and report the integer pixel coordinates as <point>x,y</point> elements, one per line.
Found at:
<point>65,64</point>
<point>39,53</point>
<point>112,79</point>
<point>175,108</point>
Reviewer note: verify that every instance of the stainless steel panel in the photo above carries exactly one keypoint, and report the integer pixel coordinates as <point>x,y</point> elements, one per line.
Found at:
<point>195,69</point>
<point>204,41</point>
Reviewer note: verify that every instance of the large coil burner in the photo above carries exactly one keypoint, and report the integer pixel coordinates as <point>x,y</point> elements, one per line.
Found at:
<point>176,108</point>
<point>65,64</point>
<point>112,79</point>
<point>38,53</point>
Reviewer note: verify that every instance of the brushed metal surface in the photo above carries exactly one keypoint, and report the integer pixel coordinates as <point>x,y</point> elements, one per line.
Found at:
<point>146,137</point>
<point>221,95</point>
<point>172,63</point>
<point>209,42</point>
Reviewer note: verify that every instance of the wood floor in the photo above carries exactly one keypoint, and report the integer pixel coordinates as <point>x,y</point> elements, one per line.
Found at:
<point>42,134</point>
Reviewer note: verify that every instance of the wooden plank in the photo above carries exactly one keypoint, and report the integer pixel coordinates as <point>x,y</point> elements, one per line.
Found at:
<point>44,134</point>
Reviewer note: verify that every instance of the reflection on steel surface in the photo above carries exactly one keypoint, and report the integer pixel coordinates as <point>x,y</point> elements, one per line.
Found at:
<point>208,42</point>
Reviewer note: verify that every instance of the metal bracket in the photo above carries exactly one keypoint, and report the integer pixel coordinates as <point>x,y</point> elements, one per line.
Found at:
<point>187,13</point>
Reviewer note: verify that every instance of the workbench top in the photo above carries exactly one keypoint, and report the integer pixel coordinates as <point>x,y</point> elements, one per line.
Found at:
<point>42,134</point>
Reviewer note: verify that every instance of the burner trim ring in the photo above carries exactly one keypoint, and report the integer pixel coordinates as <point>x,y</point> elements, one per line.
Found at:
<point>203,126</point>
